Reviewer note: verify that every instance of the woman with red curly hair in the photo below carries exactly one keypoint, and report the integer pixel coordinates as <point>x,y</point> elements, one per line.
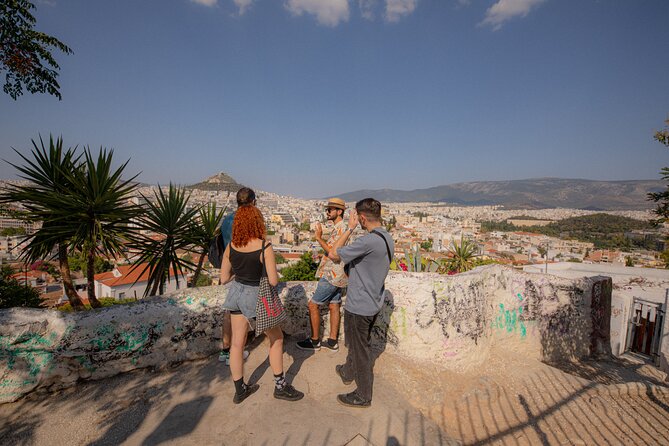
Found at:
<point>242,262</point>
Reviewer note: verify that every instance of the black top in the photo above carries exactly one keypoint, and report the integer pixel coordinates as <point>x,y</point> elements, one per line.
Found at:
<point>247,266</point>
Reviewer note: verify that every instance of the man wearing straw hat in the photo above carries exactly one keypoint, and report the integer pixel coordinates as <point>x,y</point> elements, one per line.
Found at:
<point>332,280</point>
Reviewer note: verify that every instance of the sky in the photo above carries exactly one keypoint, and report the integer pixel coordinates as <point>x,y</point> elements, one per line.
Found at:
<point>314,98</point>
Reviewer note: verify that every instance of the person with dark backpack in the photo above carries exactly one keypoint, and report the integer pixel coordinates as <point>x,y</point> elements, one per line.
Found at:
<point>217,247</point>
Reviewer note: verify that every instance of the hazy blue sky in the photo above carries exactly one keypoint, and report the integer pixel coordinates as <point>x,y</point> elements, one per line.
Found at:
<point>319,97</point>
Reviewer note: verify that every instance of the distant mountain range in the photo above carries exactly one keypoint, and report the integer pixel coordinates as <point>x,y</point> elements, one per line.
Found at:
<point>219,182</point>
<point>535,193</point>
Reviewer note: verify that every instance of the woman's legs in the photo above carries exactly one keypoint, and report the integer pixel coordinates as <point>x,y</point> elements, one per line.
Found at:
<point>239,330</point>
<point>275,336</point>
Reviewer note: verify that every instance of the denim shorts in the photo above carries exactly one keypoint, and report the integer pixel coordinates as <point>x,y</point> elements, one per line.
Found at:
<point>242,298</point>
<point>326,293</point>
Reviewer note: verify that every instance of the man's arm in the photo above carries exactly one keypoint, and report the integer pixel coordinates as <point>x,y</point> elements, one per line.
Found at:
<point>319,238</point>
<point>341,241</point>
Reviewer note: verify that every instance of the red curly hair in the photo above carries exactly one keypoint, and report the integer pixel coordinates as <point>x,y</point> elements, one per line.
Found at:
<point>248,224</point>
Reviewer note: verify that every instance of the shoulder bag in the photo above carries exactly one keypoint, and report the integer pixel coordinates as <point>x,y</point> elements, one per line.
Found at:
<point>269,309</point>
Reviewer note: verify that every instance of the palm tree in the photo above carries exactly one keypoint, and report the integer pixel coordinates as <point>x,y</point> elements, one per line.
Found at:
<point>47,173</point>
<point>205,227</point>
<point>97,211</point>
<point>170,219</point>
<point>461,255</point>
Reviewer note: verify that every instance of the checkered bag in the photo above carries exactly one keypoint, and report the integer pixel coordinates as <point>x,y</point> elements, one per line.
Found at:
<point>269,309</point>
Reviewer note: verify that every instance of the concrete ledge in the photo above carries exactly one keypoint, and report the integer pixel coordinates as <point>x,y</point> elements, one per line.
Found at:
<point>452,321</point>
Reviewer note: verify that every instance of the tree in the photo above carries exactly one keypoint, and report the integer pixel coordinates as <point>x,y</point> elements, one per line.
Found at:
<point>204,228</point>
<point>279,259</point>
<point>9,232</point>
<point>202,280</point>
<point>47,174</point>
<point>392,222</point>
<point>13,294</point>
<point>25,54</point>
<point>171,220</point>
<point>304,270</point>
<point>662,198</point>
<point>629,261</point>
<point>461,255</point>
<point>427,245</point>
<point>79,262</point>
<point>97,212</point>
<point>664,256</point>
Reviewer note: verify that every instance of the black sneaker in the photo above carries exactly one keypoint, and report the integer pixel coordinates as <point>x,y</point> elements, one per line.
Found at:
<point>309,345</point>
<point>339,371</point>
<point>288,393</point>
<point>330,344</point>
<point>352,400</point>
<point>248,391</point>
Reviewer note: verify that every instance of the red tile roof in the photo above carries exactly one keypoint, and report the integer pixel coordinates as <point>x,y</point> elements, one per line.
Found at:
<point>127,277</point>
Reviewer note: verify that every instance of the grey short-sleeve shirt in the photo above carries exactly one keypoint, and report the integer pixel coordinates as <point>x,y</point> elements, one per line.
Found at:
<point>367,260</point>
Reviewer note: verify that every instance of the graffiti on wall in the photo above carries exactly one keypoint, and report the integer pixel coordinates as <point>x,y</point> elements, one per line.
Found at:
<point>458,307</point>
<point>32,351</point>
<point>511,319</point>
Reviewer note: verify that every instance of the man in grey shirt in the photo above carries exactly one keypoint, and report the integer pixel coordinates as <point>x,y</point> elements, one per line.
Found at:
<point>368,261</point>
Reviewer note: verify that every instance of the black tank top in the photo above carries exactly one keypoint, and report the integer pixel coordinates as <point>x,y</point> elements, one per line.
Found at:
<point>246,266</point>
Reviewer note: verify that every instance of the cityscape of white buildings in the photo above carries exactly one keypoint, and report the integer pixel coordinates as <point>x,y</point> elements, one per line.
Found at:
<point>432,226</point>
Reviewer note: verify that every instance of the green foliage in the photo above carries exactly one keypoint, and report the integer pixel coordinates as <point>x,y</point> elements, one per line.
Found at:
<point>498,226</point>
<point>204,227</point>
<point>78,263</point>
<point>47,173</point>
<point>664,256</point>
<point>420,215</point>
<point>9,232</point>
<point>172,220</point>
<point>414,262</point>
<point>13,294</point>
<point>629,261</point>
<point>280,260</point>
<point>304,226</point>
<point>303,270</point>
<point>392,222</point>
<point>203,280</point>
<point>25,54</point>
<point>461,255</point>
<point>606,231</point>
<point>427,246</point>
<point>574,260</point>
<point>104,302</point>
<point>662,198</point>
<point>482,262</point>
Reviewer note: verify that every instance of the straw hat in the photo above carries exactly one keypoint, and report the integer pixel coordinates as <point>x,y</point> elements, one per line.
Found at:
<point>336,203</point>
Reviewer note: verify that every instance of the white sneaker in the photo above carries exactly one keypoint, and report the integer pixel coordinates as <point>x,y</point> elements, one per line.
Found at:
<point>225,357</point>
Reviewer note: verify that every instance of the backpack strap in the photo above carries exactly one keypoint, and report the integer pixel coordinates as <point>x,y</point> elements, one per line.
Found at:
<point>390,257</point>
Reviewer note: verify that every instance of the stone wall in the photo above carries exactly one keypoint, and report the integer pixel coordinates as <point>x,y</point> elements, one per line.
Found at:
<point>453,321</point>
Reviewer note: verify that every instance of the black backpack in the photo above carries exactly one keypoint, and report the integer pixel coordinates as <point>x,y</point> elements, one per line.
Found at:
<point>216,251</point>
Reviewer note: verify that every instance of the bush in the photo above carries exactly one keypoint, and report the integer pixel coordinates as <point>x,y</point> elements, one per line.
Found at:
<point>13,294</point>
<point>304,270</point>
<point>203,280</point>
<point>105,301</point>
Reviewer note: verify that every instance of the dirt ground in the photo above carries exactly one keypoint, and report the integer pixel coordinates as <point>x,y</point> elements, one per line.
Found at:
<point>508,400</point>
<point>511,400</point>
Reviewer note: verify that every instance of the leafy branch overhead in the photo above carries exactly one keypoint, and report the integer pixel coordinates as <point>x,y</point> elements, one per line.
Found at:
<point>25,53</point>
<point>662,198</point>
